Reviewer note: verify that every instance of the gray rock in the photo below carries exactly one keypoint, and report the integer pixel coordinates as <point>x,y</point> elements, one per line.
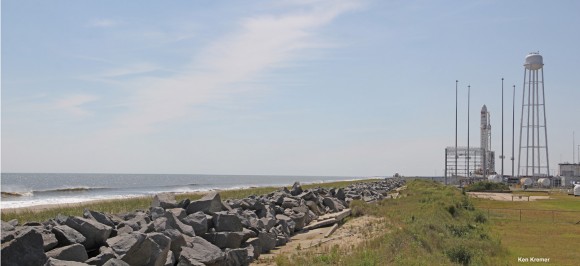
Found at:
<point>105,254</point>
<point>171,260</point>
<point>67,236</point>
<point>25,249</point>
<point>289,203</point>
<point>299,220</point>
<point>296,189</point>
<point>160,249</point>
<point>96,233</point>
<point>7,226</point>
<point>74,252</point>
<point>49,240</point>
<point>57,262</point>
<point>334,204</point>
<point>210,203</point>
<point>116,262</point>
<point>178,212</point>
<point>267,241</point>
<point>183,204</point>
<point>237,257</point>
<point>99,217</point>
<point>340,194</point>
<point>254,247</point>
<point>156,212</point>
<point>134,248</point>
<point>177,241</point>
<point>175,223</point>
<point>198,221</point>
<point>226,222</point>
<point>201,252</point>
<point>164,200</point>
<point>225,239</point>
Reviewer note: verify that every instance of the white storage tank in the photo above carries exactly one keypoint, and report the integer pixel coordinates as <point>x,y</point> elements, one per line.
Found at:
<point>577,190</point>
<point>526,181</point>
<point>544,182</point>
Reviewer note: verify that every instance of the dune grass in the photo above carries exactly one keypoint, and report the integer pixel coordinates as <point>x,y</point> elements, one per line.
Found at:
<point>35,214</point>
<point>429,225</point>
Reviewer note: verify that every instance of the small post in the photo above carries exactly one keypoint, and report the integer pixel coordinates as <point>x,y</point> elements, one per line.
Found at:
<point>520,215</point>
<point>552,216</point>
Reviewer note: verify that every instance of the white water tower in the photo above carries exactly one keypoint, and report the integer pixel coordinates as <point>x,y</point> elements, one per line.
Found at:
<point>533,158</point>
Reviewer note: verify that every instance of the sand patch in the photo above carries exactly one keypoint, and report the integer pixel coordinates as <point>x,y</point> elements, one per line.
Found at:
<point>505,196</point>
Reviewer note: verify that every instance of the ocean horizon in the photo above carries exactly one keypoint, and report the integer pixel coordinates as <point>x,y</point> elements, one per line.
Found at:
<point>20,190</point>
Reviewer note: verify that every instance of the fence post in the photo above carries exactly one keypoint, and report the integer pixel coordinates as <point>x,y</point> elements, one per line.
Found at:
<point>552,216</point>
<point>520,215</point>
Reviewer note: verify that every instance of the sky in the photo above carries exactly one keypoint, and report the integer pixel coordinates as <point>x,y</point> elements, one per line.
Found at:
<point>322,87</point>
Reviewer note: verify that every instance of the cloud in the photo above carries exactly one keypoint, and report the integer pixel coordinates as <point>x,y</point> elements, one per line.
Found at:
<point>261,44</point>
<point>74,104</point>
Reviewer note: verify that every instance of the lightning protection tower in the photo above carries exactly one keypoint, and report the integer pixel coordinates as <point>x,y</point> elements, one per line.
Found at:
<point>533,130</point>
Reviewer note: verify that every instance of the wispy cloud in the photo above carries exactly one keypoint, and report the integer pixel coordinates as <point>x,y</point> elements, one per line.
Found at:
<point>74,104</point>
<point>261,44</point>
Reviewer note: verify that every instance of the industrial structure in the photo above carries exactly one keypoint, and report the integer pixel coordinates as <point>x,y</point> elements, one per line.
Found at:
<point>533,160</point>
<point>473,163</point>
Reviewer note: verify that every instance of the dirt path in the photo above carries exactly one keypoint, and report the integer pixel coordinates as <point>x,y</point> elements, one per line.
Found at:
<point>352,233</point>
<point>505,196</point>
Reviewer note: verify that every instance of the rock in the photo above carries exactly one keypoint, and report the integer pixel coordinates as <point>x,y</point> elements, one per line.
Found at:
<point>25,249</point>
<point>267,241</point>
<point>67,236</point>
<point>160,249</point>
<point>201,252</point>
<point>183,204</point>
<point>289,203</point>
<point>296,189</point>
<point>105,254</point>
<point>340,194</point>
<point>334,204</point>
<point>99,217</point>
<point>96,233</point>
<point>170,258</point>
<point>57,262</point>
<point>226,222</point>
<point>175,223</point>
<point>299,220</point>
<point>49,240</point>
<point>198,221</point>
<point>116,262</point>
<point>177,241</point>
<point>164,200</point>
<point>210,203</point>
<point>138,249</point>
<point>237,257</point>
<point>225,239</point>
<point>74,252</point>
<point>254,247</point>
<point>7,226</point>
<point>156,212</point>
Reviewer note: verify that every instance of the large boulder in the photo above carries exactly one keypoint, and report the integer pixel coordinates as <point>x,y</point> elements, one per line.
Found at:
<point>296,189</point>
<point>67,236</point>
<point>267,241</point>
<point>226,222</point>
<point>334,204</point>
<point>96,233</point>
<point>201,252</point>
<point>210,203</point>
<point>99,217</point>
<point>116,262</point>
<point>198,221</point>
<point>74,252</point>
<point>238,257</point>
<point>49,240</point>
<point>26,248</point>
<point>140,249</point>
<point>225,239</point>
<point>164,200</point>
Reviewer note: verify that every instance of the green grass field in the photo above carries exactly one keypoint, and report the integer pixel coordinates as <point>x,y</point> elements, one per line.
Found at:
<point>536,235</point>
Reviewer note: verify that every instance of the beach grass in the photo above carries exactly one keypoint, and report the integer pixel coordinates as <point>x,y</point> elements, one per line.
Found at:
<point>430,224</point>
<point>44,213</point>
<point>537,235</point>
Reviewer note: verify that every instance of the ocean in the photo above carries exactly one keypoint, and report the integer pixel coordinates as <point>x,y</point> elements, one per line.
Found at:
<point>27,190</point>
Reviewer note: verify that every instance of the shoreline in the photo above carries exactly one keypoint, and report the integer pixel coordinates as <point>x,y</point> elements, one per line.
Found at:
<point>90,202</point>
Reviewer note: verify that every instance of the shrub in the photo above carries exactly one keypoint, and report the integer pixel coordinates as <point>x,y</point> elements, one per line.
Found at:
<point>460,254</point>
<point>487,186</point>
